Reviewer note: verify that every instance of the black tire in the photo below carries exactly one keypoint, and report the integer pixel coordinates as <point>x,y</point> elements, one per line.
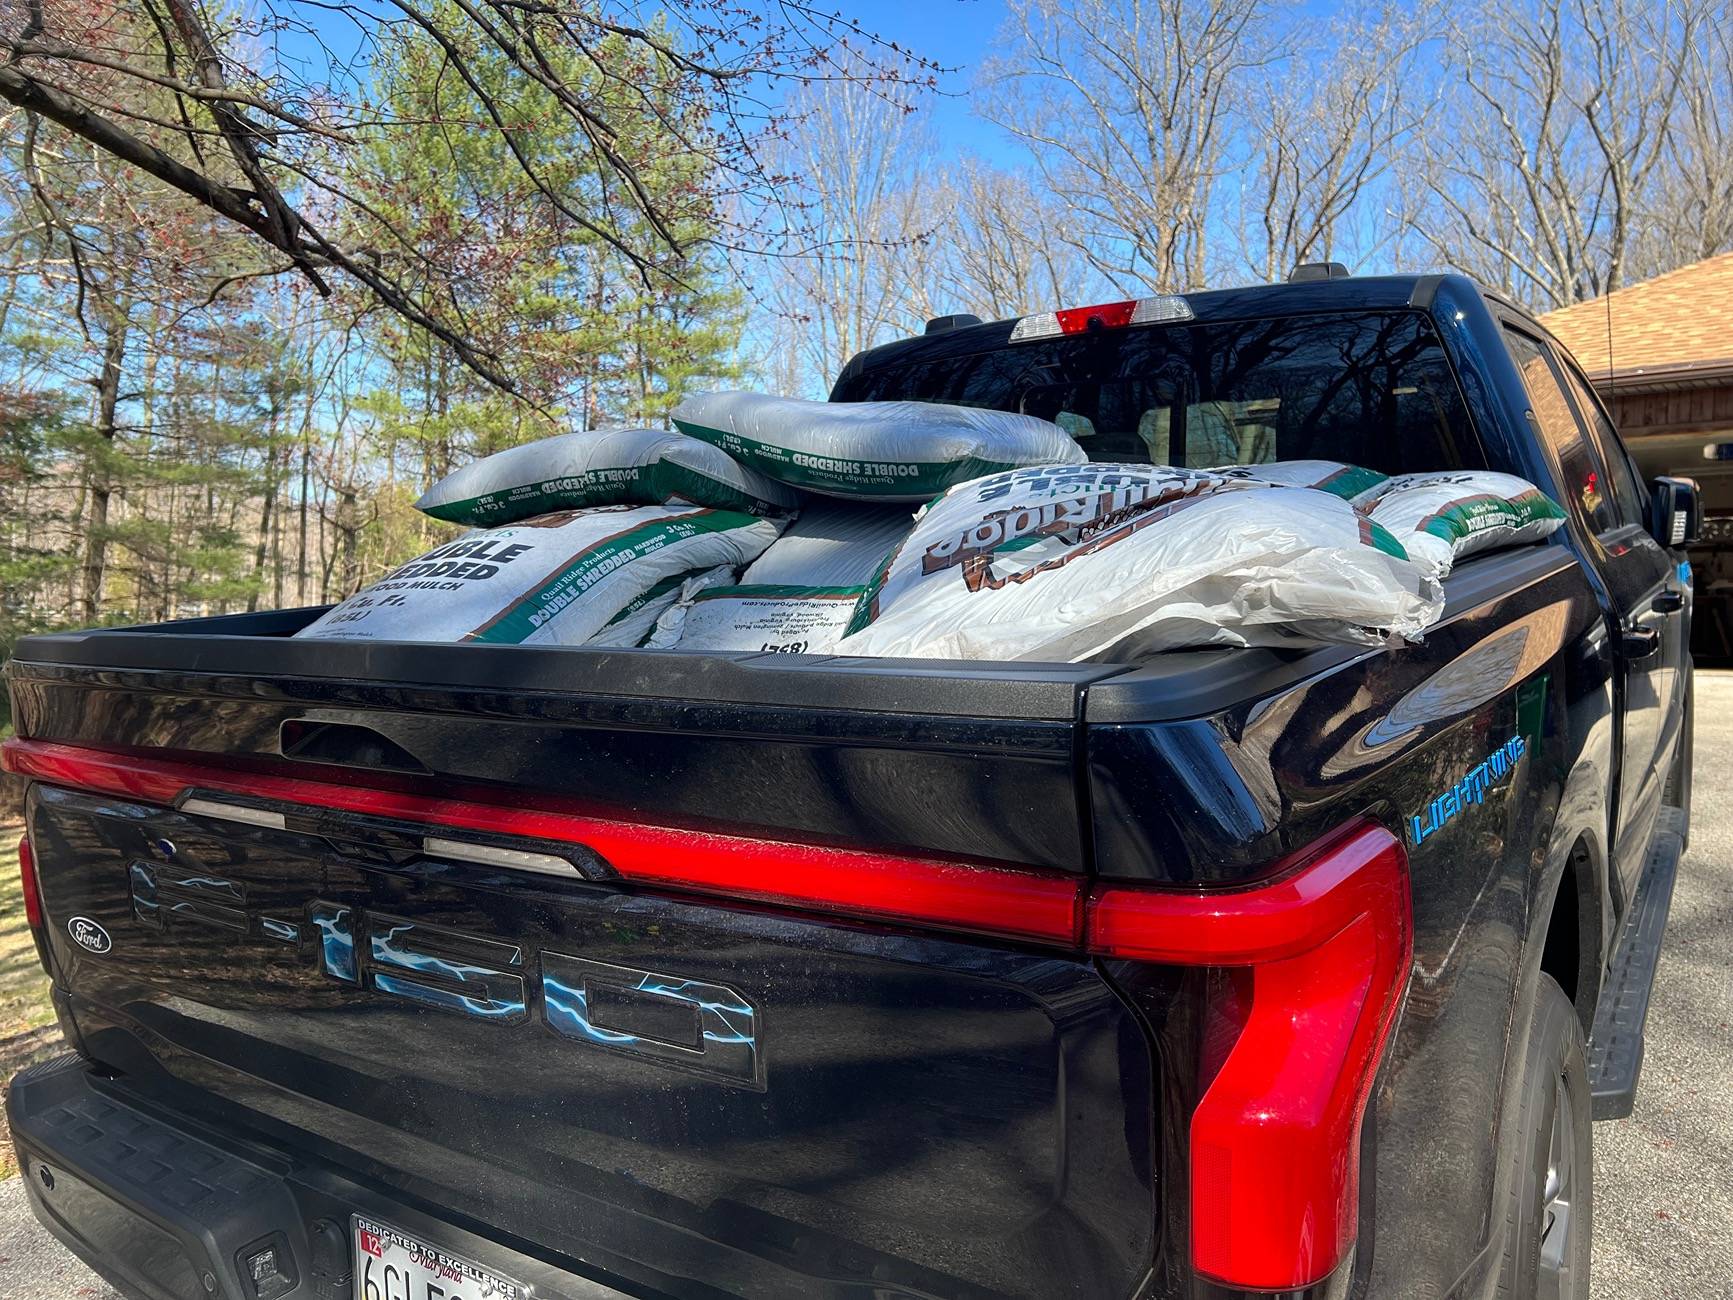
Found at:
<point>1549,1218</point>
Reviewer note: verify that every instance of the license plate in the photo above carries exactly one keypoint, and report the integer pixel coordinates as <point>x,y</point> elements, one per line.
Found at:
<point>392,1265</point>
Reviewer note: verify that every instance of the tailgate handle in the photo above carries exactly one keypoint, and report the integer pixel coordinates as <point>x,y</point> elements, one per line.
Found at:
<point>345,744</point>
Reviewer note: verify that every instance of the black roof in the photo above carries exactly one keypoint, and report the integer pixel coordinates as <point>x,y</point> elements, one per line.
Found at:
<point>1350,293</point>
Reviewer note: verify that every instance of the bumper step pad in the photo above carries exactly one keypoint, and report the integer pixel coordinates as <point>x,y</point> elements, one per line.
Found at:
<point>1616,1042</point>
<point>115,1184</point>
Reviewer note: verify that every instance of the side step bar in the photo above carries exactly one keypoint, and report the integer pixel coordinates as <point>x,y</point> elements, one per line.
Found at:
<point>1616,1042</point>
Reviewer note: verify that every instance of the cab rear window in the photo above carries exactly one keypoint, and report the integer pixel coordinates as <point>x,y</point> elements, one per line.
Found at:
<point>1367,388</point>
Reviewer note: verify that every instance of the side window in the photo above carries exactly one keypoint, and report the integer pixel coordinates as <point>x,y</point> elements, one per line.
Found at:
<point>1628,494</point>
<point>1581,474</point>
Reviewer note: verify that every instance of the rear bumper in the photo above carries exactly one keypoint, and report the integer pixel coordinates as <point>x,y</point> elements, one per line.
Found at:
<point>168,1208</point>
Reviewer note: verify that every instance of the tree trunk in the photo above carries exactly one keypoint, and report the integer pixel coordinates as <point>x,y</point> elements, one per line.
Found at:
<point>101,488</point>
<point>348,528</point>
<point>306,476</point>
<point>265,513</point>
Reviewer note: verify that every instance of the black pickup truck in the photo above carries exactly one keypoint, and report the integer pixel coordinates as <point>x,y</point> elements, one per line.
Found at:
<point>412,972</point>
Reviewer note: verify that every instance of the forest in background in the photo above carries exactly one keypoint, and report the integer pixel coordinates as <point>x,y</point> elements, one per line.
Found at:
<point>271,268</point>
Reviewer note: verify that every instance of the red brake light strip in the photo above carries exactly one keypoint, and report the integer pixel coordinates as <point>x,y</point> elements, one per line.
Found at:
<point>1019,903</point>
<point>1275,1137</point>
<point>1295,910</point>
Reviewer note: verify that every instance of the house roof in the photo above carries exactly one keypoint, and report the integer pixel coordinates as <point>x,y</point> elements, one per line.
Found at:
<point>1675,329</point>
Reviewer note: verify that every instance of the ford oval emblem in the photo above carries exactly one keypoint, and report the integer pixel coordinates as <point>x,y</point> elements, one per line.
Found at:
<point>87,934</point>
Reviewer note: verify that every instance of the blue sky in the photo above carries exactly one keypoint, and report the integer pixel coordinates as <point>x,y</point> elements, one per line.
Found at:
<point>957,34</point>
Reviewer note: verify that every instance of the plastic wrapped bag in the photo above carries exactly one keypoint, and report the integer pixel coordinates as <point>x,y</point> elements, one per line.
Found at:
<point>1439,518</point>
<point>873,451</point>
<point>798,597</point>
<point>633,625</point>
<point>1069,563</point>
<point>600,468</point>
<point>1350,482</point>
<point>555,580</point>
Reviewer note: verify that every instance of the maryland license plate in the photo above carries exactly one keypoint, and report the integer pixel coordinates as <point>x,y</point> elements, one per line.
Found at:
<point>392,1265</point>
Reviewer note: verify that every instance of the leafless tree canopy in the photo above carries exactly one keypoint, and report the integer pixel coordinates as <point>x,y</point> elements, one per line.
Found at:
<point>1583,143</point>
<point>1126,111</point>
<point>1326,130</point>
<point>1552,148</point>
<point>249,110</point>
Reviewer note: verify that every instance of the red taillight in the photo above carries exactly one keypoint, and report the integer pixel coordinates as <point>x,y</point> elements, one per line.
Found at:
<point>32,889</point>
<point>1275,1138</point>
<point>1106,315</point>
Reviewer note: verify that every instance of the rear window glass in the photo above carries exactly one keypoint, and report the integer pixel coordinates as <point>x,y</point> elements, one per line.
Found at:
<point>1367,388</point>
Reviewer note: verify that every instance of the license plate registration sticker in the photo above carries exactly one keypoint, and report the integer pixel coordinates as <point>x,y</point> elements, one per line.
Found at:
<point>392,1265</point>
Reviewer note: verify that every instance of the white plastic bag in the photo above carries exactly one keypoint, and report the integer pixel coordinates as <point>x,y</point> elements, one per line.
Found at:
<point>874,451</point>
<point>606,467</point>
<point>798,597</point>
<point>555,580</point>
<point>1439,518</point>
<point>633,625</point>
<point>1066,563</point>
<point>1349,482</point>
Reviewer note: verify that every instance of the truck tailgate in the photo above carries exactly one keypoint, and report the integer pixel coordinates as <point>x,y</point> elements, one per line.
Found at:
<point>687,1091</point>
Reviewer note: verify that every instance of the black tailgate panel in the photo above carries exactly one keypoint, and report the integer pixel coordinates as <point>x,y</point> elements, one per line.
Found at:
<point>698,1098</point>
<point>993,787</point>
<point>928,1116</point>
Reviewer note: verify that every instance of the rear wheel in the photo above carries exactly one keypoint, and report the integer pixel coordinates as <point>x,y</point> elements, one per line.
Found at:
<point>1550,1216</point>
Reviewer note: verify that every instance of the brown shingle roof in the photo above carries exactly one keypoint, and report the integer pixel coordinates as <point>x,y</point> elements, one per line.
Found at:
<point>1677,319</point>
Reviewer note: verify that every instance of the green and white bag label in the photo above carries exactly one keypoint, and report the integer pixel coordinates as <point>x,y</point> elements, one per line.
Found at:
<point>559,579</point>
<point>1332,476</point>
<point>778,620</point>
<point>798,597</point>
<point>599,468</point>
<point>1440,518</point>
<point>874,451</point>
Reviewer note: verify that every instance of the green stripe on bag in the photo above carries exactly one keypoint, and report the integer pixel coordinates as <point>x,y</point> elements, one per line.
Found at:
<point>1351,481</point>
<point>776,591</point>
<point>1384,540</point>
<point>832,473</point>
<point>662,588</point>
<point>588,568</point>
<point>572,492</point>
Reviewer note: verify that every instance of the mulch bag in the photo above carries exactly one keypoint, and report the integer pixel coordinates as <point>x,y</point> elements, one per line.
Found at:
<point>1332,476</point>
<point>603,467</point>
<point>633,625</point>
<point>555,580</point>
<point>873,451</point>
<point>798,597</point>
<point>1067,563</point>
<point>1439,518</point>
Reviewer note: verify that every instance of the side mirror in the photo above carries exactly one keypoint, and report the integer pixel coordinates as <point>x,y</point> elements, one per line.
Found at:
<point>1675,515</point>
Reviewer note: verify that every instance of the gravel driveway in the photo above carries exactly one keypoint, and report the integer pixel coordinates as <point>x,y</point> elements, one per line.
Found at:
<point>1663,1190</point>
<point>1664,1177</point>
<point>33,1265</point>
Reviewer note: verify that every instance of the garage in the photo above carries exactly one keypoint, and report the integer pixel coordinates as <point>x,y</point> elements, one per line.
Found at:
<point>1661,355</point>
